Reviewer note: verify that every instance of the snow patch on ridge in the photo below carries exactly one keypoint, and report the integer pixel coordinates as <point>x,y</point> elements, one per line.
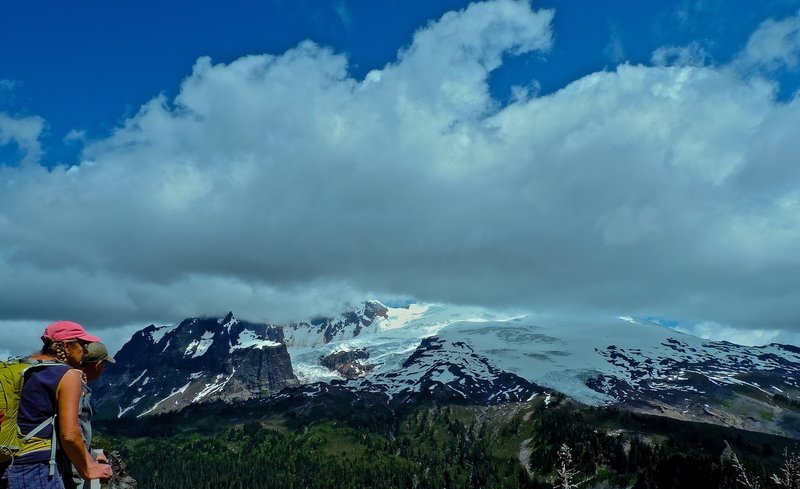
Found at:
<point>249,339</point>
<point>198,348</point>
<point>232,321</point>
<point>133,405</point>
<point>137,378</point>
<point>172,394</point>
<point>162,331</point>
<point>215,386</point>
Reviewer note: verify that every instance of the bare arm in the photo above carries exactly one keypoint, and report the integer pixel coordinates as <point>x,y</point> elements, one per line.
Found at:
<point>68,396</point>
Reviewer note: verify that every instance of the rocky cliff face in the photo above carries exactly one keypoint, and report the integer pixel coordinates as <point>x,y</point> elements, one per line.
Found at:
<point>163,369</point>
<point>198,360</point>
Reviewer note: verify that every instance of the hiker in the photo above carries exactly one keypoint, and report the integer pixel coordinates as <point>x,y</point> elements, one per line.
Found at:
<point>53,390</point>
<point>94,362</point>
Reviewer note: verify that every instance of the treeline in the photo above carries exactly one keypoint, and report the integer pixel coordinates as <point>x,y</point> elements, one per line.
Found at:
<point>454,447</point>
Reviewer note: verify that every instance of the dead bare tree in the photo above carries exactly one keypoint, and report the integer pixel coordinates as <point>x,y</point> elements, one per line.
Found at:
<point>789,476</point>
<point>564,471</point>
<point>741,474</point>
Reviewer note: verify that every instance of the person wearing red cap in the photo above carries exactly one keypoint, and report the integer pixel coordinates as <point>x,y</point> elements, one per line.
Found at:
<point>54,390</point>
<point>94,362</point>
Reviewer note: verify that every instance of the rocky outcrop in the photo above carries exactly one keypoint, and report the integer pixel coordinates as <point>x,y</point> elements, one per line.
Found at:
<point>348,364</point>
<point>120,479</point>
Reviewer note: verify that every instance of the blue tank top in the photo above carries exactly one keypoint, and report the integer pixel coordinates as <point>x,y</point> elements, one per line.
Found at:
<point>37,403</point>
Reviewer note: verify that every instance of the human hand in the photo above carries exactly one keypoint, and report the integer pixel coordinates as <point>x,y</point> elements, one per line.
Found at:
<point>100,471</point>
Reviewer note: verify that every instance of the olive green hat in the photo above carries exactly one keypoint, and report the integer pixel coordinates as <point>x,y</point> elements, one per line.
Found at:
<point>96,352</point>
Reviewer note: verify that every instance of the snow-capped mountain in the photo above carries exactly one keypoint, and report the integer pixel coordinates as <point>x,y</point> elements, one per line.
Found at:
<point>198,360</point>
<point>163,369</point>
<point>401,355</point>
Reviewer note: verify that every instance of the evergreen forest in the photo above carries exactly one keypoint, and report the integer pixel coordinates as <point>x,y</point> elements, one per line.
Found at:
<point>520,445</point>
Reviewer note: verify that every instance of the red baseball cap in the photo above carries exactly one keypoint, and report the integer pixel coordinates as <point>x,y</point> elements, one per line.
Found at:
<point>67,330</point>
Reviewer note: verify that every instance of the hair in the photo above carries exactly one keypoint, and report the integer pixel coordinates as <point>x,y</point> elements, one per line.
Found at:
<point>56,348</point>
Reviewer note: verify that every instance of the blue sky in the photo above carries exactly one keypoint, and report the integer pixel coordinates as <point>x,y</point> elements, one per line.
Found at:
<point>281,159</point>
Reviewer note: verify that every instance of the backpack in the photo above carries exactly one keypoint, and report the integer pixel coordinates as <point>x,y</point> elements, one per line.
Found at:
<point>12,443</point>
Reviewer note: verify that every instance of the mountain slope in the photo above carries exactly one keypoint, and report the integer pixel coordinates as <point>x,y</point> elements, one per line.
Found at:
<point>453,354</point>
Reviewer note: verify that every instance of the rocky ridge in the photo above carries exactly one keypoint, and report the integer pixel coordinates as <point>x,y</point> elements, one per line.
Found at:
<point>163,369</point>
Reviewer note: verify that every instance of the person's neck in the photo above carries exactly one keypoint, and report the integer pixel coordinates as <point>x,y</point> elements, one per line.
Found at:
<point>43,356</point>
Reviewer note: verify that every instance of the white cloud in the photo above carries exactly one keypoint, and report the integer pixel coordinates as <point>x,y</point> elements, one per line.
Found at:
<point>25,132</point>
<point>775,44</point>
<point>750,337</point>
<point>75,136</point>
<point>7,91</point>
<point>278,186</point>
<point>344,14</point>
<point>7,84</point>
<point>615,49</point>
<point>692,54</point>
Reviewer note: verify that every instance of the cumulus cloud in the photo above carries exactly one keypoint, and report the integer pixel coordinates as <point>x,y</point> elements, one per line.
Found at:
<point>775,44</point>
<point>279,186</point>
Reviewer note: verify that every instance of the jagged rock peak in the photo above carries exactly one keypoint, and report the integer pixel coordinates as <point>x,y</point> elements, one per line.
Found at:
<point>228,319</point>
<point>374,308</point>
